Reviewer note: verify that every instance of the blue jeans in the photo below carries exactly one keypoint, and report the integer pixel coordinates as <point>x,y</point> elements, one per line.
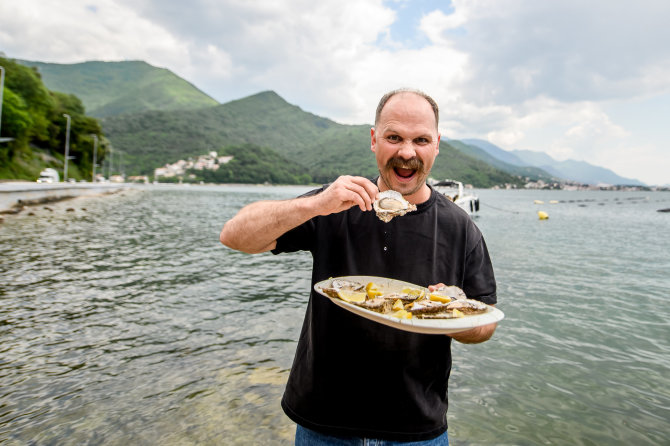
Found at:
<point>307,437</point>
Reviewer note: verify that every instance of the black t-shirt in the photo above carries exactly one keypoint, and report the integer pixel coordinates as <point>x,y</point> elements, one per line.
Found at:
<point>353,376</point>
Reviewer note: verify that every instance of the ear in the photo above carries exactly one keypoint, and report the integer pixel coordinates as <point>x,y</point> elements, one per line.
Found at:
<point>373,139</point>
<point>437,149</point>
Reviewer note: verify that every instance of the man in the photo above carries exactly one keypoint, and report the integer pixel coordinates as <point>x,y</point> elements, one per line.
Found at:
<point>353,378</point>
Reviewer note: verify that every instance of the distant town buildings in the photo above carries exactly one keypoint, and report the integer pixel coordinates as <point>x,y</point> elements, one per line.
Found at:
<point>573,185</point>
<point>138,179</point>
<point>211,161</point>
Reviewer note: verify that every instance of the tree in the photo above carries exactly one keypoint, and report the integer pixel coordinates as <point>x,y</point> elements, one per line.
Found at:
<point>33,116</point>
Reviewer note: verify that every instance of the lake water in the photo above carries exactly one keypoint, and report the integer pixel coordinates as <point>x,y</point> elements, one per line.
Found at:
<point>124,321</point>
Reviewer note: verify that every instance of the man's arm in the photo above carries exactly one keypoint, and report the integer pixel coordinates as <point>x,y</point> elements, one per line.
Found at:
<point>257,226</point>
<point>473,335</point>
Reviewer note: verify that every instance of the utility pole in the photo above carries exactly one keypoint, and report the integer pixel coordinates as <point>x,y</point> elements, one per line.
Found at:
<point>67,145</point>
<point>2,90</point>
<point>95,155</point>
<point>121,165</point>
<point>111,162</point>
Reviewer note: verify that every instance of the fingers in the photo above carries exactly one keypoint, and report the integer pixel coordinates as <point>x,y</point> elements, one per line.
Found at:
<point>354,191</point>
<point>432,288</point>
<point>365,191</point>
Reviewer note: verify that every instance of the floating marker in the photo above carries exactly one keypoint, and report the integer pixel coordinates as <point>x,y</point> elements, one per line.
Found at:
<point>543,215</point>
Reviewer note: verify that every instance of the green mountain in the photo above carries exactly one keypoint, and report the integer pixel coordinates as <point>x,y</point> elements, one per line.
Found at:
<point>325,148</point>
<point>114,88</point>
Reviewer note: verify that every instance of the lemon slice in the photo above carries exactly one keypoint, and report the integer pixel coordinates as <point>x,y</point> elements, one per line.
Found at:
<point>373,290</point>
<point>397,305</point>
<point>356,297</point>
<point>440,298</point>
<point>412,291</point>
<point>402,314</point>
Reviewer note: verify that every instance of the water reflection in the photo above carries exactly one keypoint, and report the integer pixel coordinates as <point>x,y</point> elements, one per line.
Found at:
<point>125,321</point>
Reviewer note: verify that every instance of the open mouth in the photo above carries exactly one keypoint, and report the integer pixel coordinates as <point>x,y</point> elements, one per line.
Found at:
<point>405,169</point>
<point>404,173</point>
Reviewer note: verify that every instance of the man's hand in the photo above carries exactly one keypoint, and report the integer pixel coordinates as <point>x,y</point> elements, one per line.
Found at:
<point>473,335</point>
<point>344,193</point>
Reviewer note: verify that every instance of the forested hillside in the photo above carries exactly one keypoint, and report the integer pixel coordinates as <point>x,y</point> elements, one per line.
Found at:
<point>152,117</point>
<point>325,148</point>
<point>114,88</point>
<point>33,128</point>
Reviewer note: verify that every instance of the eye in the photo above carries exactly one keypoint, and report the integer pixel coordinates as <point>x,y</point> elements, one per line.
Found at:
<point>422,141</point>
<point>393,138</point>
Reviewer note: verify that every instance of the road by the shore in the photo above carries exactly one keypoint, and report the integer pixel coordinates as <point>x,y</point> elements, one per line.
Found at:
<point>14,195</point>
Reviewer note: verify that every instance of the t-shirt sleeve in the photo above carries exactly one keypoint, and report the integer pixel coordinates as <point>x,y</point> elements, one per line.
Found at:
<point>300,238</point>
<point>480,282</point>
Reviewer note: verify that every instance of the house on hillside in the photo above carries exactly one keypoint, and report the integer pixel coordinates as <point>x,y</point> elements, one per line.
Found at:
<point>211,161</point>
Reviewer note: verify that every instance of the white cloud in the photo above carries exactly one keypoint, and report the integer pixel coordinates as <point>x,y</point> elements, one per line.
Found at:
<point>644,162</point>
<point>71,31</point>
<point>436,23</point>
<point>569,50</point>
<point>525,74</point>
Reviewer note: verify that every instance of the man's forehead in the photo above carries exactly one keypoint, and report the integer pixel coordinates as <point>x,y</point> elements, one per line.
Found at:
<point>407,99</point>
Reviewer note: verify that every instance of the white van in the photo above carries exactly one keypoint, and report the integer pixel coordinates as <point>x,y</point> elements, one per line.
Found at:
<point>49,175</point>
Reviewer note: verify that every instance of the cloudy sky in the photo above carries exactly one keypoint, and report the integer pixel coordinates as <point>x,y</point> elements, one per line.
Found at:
<point>578,80</point>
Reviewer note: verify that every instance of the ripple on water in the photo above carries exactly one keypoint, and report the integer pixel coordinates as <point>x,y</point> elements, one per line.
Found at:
<point>130,323</point>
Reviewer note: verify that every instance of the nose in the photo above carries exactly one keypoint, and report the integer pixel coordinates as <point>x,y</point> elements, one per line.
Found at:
<point>407,151</point>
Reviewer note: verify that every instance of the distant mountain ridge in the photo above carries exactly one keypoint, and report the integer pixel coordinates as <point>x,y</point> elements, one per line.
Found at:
<point>507,164</point>
<point>323,147</point>
<point>155,117</point>
<point>578,171</point>
<point>115,88</point>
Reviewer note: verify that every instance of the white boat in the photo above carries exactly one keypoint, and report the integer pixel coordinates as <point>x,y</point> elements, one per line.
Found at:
<point>454,191</point>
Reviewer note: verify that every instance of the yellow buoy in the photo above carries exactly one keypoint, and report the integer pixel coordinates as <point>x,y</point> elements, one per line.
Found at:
<point>543,215</point>
<point>538,202</point>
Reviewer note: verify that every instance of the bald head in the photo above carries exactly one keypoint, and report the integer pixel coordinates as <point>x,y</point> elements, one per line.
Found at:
<point>390,94</point>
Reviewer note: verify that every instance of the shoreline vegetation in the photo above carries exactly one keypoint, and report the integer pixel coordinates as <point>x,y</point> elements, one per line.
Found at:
<point>37,122</point>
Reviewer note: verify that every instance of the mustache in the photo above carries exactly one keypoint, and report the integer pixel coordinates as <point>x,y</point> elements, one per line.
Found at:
<point>412,163</point>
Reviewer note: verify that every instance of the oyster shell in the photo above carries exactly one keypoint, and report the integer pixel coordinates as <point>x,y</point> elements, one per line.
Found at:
<point>378,304</point>
<point>429,309</point>
<point>403,297</point>
<point>391,204</point>
<point>338,284</point>
<point>467,306</point>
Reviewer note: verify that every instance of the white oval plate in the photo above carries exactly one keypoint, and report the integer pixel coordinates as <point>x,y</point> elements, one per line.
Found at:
<point>416,325</point>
